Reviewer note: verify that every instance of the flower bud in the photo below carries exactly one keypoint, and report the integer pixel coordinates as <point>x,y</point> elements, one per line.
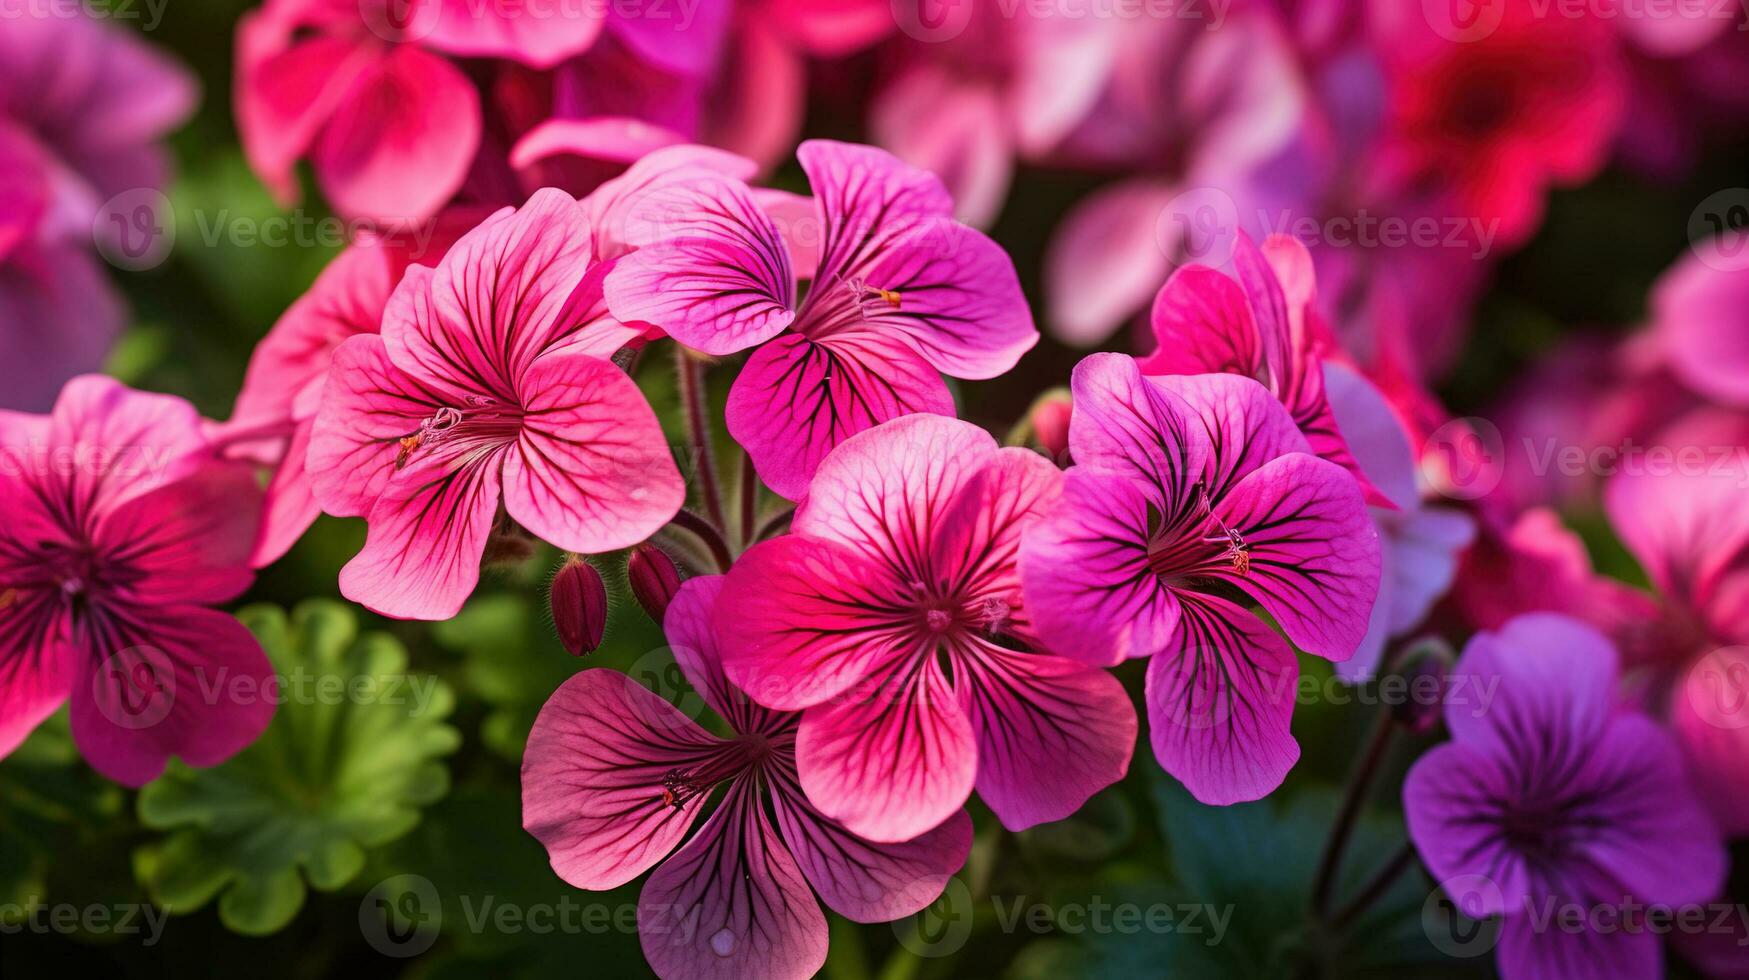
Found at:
<point>1050,424</point>
<point>654,580</point>
<point>579,601</point>
<point>1423,668</point>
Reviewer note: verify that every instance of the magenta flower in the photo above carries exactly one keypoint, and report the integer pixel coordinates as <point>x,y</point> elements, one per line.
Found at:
<point>901,294</point>
<point>489,387</point>
<point>892,619</point>
<point>121,528</point>
<point>614,777</point>
<point>1547,795</point>
<point>1185,488</point>
<point>1260,325</point>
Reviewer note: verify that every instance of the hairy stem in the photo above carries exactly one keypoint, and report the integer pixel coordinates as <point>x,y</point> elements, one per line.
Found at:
<point>1359,782</point>
<point>691,374</point>
<point>707,532</point>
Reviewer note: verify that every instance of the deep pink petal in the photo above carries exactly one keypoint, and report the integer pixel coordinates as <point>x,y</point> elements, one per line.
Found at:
<point>684,41</point>
<point>291,505</point>
<point>1089,592</point>
<point>801,621</point>
<point>1698,308</point>
<point>1314,551</point>
<point>161,681</point>
<point>1203,325</point>
<point>976,538</point>
<point>884,492</point>
<point>1706,715</point>
<point>1033,712</point>
<point>36,663</point>
<point>864,881</point>
<point>591,471</point>
<point>398,146</point>
<point>428,529</point>
<point>614,209</point>
<point>368,406</point>
<point>1245,426</point>
<point>592,778</point>
<point>732,903</point>
<point>124,443</point>
<point>575,155</point>
<point>795,400</point>
<point>286,92</point>
<point>1128,426</point>
<point>893,758</point>
<point>505,293</point>
<point>186,542</point>
<point>1220,702</point>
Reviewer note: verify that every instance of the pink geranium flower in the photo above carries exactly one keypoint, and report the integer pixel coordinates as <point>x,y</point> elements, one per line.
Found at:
<point>614,777</point>
<point>1261,325</point>
<point>489,387</point>
<point>901,294</point>
<point>121,528</point>
<point>1549,796</point>
<point>892,619</point>
<point>1185,488</point>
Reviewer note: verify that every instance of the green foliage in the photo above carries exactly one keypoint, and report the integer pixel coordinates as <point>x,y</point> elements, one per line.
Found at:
<point>353,755</point>
<point>49,804</point>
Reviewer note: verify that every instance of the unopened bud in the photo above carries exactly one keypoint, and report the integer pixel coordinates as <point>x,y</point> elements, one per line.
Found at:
<point>1050,424</point>
<point>579,600</point>
<point>654,580</point>
<point>1423,668</point>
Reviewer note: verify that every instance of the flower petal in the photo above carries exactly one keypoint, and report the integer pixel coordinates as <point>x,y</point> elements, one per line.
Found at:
<point>893,759</point>
<point>591,471</point>
<point>691,626</point>
<point>186,542</point>
<point>1105,258</point>
<point>733,903</point>
<point>1686,528</point>
<point>1542,685</point>
<point>1129,426</point>
<point>592,778</point>
<point>368,406</point>
<point>519,33</point>
<point>864,881</point>
<point>1530,953</point>
<point>36,663</point>
<point>795,400</point>
<point>1032,712</point>
<point>1244,426</point>
<point>1220,702</point>
<point>291,505</point>
<point>124,443</point>
<point>167,680</point>
<point>1203,325</point>
<point>421,556</point>
<point>1314,551</point>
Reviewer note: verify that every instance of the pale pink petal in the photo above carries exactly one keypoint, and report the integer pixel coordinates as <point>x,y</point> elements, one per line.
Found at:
<point>894,757</point>
<point>1105,258</point>
<point>801,621</point>
<point>368,406</point>
<point>400,143</point>
<point>592,778</point>
<point>1089,592</point>
<point>954,128</point>
<point>713,272</point>
<point>757,104</point>
<point>539,35</point>
<point>1685,527</point>
<point>1220,701</point>
<point>591,470</point>
<point>428,529</point>
<point>1033,715</point>
<point>575,155</point>
<point>861,880</point>
<point>1314,552</point>
<point>142,692</point>
<point>1698,307</point>
<point>795,400</point>
<point>732,903</point>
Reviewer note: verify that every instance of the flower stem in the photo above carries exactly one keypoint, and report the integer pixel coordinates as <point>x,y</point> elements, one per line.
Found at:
<point>707,532</point>
<point>1359,782</point>
<point>749,498</point>
<point>1376,886</point>
<point>691,375</point>
<point>774,522</point>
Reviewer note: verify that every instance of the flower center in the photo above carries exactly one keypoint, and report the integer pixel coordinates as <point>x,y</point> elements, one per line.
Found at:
<point>483,421</point>
<point>685,783</point>
<point>863,293</point>
<point>1168,554</point>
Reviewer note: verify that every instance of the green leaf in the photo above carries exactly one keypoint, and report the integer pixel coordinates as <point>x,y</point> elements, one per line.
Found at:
<point>351,758</point>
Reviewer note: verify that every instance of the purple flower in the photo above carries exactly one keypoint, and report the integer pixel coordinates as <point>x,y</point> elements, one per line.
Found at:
<point>1548,797</point>
<point>614,777</point>
<point>1186,491</point>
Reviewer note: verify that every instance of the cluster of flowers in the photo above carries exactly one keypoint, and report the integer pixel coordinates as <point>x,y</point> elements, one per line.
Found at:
<point>939,614</point>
